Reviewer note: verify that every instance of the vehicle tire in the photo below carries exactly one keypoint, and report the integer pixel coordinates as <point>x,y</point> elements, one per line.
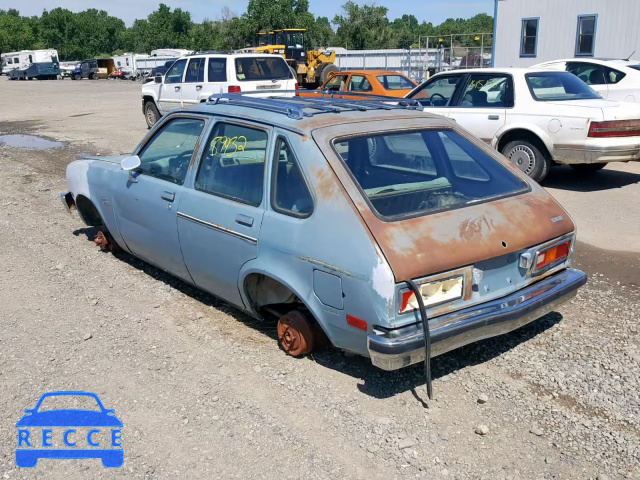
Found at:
<point>151,113</point>
<point>295,334</point>
<point>584,169</point>
<point>93,76</point>
<point>323,72</point>
<point>528,157</point>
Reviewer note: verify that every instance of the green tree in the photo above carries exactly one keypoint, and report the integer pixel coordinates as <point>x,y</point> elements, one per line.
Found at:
<point>363,27</point>
<point>16,32</point>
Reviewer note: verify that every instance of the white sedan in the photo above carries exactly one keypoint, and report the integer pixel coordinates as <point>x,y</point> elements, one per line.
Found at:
<point>536,118</point>
<point>613,79</point>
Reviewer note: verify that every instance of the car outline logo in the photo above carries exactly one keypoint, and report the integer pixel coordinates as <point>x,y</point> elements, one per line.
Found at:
<point>105,418</point>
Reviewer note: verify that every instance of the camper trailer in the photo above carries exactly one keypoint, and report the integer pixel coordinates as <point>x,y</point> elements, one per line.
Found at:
<point>14,60</point>
<point>129,62</point>
<point>30,64</point>
<point>170,52</point>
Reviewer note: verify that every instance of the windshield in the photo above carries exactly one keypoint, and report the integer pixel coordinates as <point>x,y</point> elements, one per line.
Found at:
<point>558,86</point>
<point>414,173</point>
<point>69,402</point>
<point>262,68</point>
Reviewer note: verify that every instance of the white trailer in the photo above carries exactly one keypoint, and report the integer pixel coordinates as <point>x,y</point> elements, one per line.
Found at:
<point>170,52</point>
<point>13,60</point>
<point>129,62</point>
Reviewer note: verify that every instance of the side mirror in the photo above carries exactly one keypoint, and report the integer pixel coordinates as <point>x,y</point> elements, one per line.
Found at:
<point>158,78</point>
<point>130,163</point>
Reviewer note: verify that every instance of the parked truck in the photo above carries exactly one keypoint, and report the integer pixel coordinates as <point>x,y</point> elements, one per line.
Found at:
<point>40,64</point>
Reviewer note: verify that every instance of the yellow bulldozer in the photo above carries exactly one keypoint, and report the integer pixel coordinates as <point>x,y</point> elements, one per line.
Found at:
<point>312,67</point>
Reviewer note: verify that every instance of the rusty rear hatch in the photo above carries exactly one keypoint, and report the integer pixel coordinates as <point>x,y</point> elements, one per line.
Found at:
<point>475,228</point>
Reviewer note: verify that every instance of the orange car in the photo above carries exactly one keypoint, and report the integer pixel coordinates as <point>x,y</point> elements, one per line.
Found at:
<point>374,82</point>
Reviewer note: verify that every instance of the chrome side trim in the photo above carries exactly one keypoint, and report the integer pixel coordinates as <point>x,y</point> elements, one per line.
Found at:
<point>218,228</point>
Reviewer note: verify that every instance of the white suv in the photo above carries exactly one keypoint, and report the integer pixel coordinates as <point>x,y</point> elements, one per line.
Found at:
<point>194,78</point>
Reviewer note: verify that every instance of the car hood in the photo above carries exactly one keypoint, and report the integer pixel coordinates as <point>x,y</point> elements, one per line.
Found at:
<point>69,418</point>
<point>443,241</point>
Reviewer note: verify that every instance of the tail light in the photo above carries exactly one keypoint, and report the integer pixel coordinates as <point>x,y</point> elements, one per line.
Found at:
<point>297,87</point>
<point>234,89</point>
<point>433,293</point>
<point>621,128</point>
<point>552,255</point>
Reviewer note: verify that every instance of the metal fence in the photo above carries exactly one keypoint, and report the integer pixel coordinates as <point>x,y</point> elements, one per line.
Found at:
<point>435,55</point>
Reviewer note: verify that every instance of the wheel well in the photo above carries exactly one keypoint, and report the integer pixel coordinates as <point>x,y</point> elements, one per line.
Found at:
<point>88,212</point>
<point>522,134</point>
<point>146,99</point>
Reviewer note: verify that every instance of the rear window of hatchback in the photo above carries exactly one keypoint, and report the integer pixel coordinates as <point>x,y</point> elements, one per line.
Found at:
<point>408,174</point>
<point>253,69</point>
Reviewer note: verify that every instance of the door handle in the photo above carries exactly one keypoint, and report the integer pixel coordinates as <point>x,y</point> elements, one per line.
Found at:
<point>244,220</point>
<point>168,196</point>
<point>177,89</point>
<point>198,87</point>
<point>494,117</point>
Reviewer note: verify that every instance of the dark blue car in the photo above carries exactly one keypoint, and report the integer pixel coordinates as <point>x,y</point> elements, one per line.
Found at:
<point>30,449</point>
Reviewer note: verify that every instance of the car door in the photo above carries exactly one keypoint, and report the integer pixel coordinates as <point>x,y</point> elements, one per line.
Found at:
<point>192,87</point>
<point>482,105</point>
<point>219,219</point>
<point>217,76</point>
<point>436,94</point>
<point>170,97</point>
<point>592,74</point>
<point>360,84</point>
<point>145,202</point>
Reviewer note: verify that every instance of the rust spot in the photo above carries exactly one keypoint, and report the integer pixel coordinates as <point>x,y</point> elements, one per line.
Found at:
<point>295,334</point>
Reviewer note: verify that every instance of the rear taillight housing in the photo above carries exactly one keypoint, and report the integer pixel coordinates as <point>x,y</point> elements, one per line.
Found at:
<point>234,89</point>
<point>433,293</point>
<point>618,128</point>
<point>552,256</point>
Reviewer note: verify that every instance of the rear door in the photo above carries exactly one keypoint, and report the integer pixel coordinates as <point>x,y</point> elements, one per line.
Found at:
<point>219,219</point>
<point>481,107</point>
<point>171,90</point>
<point>192,87</point>
<point>269,72</point>
<point>592,74</point>
<point>217,76</point>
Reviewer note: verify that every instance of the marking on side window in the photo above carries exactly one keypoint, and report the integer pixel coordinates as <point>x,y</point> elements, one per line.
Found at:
<point>225,143</point>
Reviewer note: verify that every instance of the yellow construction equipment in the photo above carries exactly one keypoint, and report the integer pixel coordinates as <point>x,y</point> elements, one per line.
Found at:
<point>312,67</point>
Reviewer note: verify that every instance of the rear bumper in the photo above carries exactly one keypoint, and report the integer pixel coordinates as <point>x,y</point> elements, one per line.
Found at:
<point>598,150</point>
<point>405,346</point>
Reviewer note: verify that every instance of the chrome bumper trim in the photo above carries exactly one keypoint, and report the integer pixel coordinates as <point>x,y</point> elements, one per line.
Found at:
<point>405,346</point>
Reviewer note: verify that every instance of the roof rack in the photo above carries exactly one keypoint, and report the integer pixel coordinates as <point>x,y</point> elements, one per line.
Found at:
<point>298,107</point>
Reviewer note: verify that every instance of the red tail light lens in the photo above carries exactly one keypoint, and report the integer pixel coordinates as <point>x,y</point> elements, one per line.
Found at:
<point>234,89</point>
<point>553,255</point>
<point>297,87</point>
<point>622,128</point>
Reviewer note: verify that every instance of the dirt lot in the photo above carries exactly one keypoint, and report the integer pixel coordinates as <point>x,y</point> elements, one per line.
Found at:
<point>204,392</point>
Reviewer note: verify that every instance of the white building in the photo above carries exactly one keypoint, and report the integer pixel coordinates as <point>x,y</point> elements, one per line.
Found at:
<point>527,32</point>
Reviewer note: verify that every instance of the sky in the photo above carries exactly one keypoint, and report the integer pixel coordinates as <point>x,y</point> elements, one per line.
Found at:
<point>434,11</point>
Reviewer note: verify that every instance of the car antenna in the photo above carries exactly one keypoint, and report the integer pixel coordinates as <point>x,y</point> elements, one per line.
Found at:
<point>629,57</point>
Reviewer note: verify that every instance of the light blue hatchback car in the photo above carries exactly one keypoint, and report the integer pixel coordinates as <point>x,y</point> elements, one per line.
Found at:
<point>362,221</point>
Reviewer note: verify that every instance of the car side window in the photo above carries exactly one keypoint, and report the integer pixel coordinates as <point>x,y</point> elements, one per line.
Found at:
<point>168,154</point>
<point>336,84</point>
<point>233,163</point>
<point>358,83</point>
<point>485,91</point>
<point>613,76</point>
<point>195,71</point>
<point>589,73</point>
<point>175,73</point>
<point>217,70</point>
<point>290,194</point>
<point>437,92</point>
<point>463,164</point>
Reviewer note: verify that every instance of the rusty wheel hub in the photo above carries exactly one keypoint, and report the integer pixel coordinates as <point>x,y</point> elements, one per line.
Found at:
<point>105,242</point>
<point>295,334</point>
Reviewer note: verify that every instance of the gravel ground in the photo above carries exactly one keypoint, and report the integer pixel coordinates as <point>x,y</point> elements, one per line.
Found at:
<point>204,392</point>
